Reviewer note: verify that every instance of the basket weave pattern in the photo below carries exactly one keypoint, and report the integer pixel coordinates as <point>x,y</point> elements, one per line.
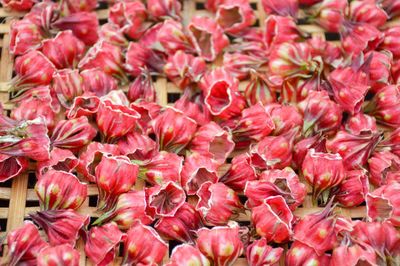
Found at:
<point>17,196</point>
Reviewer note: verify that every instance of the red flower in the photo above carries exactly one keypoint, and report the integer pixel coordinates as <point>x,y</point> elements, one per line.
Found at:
<point>161,9</point>
<point>161,168</point>
<point>130,16</point>
<point>25,245</point>
<point>83,25</point>
<point>184,69</point>
<point>67,84</point>
<point>367,12</point>
<point>24,36</point>
<point>142,88</point>
<point>58,190</point>
<point>98,82</point>
<point>197,170</point>
<point>74,6</point>
<point>102,243</point>
<point>259,90</point>
<point>105,56</point>
<point>185,254</point>
<point>143,246</point>
<point>320,113</point>
<point>17,5</point>
<point>301,254</point>
<point>259,253</point>
<point>12,166</point>
<point>235,16</point>
<point>217,203</point>
<point>353,189</point>
<point>276,7</point>
<point>173,130</point>
<point>83,106</point>
<point>212,141</point>
<point>322,170</point>
<point>32,69</point>
<point>221,93</point>
<point>58,255</point>
<point>91,157</point>
<point>221,244</point>
<point>60,160</point>
<point>383,204</point>
<point>182,225</point>
<point>130,206</point>
<point>73,134</point>
<point>115,175</point>
<point>283,183</point>
<point>64,51</point>
<point>207,37</point>
<point>137,146</point>
<point>61,226</point>
<point>239,172</point>
<point>355,150</point>
<point>391,41</point>
<point>165,200</point>
<point>385,106</point>
<point>273,219</point>
<point>383,165</point>
<point>115,120</point>
<point>254,124</point>
<point>280,29</point>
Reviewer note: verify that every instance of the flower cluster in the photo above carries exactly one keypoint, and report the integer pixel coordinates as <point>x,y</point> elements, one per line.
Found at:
<point>316,124</point>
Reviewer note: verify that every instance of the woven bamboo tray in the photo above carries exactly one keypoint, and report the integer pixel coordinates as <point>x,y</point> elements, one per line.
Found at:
<point>17,196</point>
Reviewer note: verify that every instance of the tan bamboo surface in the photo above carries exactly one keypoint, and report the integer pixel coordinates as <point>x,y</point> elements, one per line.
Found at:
<point>18,198</point>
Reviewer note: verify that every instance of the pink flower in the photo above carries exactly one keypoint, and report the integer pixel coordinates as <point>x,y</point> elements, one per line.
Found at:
<point>74,6</point>
<point>323,171</point>
<point>367,12</point>
<point>83,106</point>
<point>259,253</point>
<point>165,200</point>
<point>235,16</point>
<point>240,172</point>
<point>207,37</point>
<point>212,141</point>
<point>391,41</point>
<point>105,56</point>
<point>58,190</point>
<point>383,165</point>
<point>221,93</point>
<point>130,206</point>
<point>160,9</point>
<point>221,244</point>
<point>61,226</point>
<point>383,204</point>
<point>58,255</point>
<point>25,245</point>
<point>259,90</point>
<point>115,120</point>
<point>384,105</point>
<point>130,16</point>
<point>280,29</point>
<point>24,36</point>
<point>12,166</point>
<point>83,25</point>
<point>102,242</point>
<point>273,219</point>
<point>73,134</point>
<point>185,254</point>
<point>173,130</point>
<point>217,203</point>
<point>115,175</point>
<point>182,226</point>
<point>143,246</point>
<point>64,51</point>
<point>142,88</point>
